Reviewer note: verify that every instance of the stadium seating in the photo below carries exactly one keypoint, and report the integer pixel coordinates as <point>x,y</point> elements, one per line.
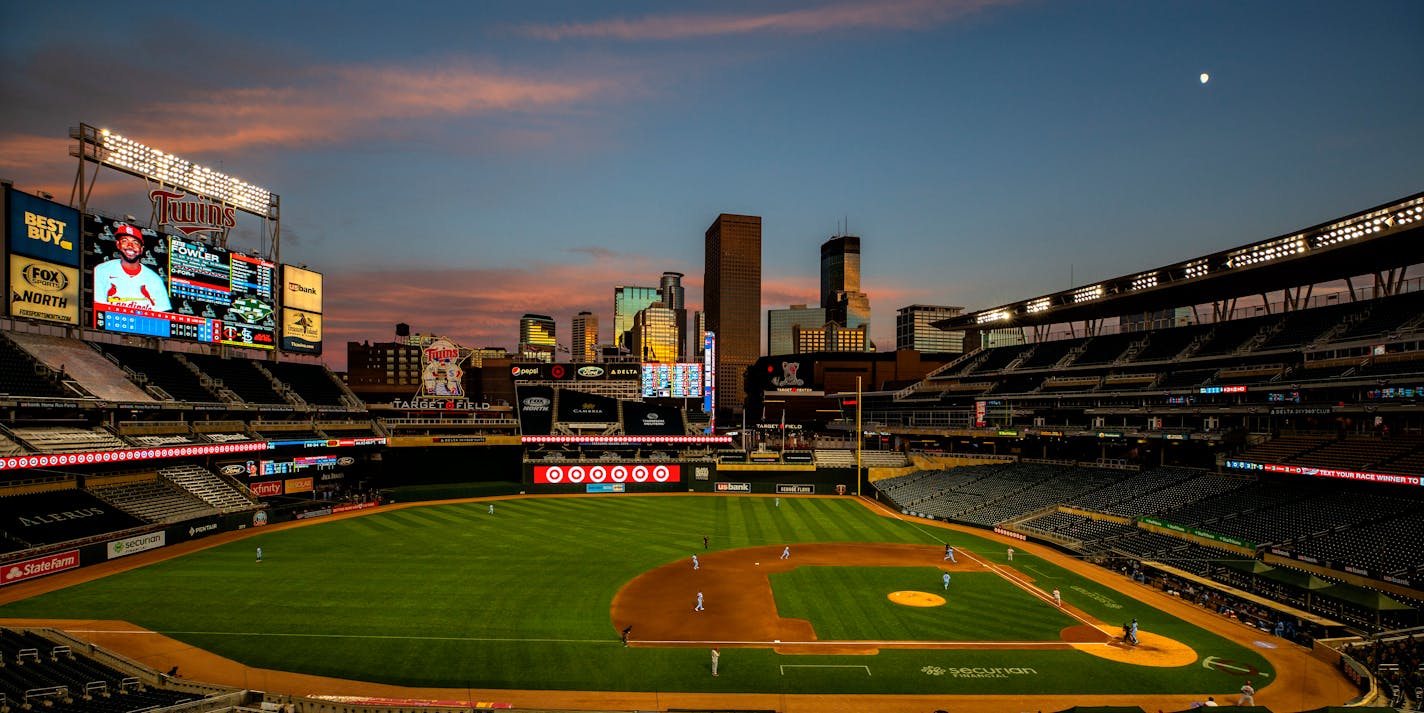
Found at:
<point>1106,348</point>
<point>240,376</point>
<point>153,500</point>
<point>50,676</point>
<point>1228,337</point>
<point>60,439</point>
<point>162,370</point>
<point>20,375</point>
<point>78,361</point>
<point>1047,354</point>
<point>1166,344</point>
<point>208,487</point>
<point>59,516</point>
<point>312,382</point>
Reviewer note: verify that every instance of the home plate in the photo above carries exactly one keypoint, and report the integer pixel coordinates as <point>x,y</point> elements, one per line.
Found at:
<point>776,641</point>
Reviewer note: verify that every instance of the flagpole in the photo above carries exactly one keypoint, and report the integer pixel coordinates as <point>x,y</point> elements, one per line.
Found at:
<point>859,436</point>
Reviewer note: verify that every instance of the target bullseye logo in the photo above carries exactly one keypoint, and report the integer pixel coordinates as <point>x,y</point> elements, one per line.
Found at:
<point>617,473</point>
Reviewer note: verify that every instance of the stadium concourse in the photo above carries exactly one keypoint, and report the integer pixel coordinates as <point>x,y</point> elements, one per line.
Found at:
<point>1253,466</point>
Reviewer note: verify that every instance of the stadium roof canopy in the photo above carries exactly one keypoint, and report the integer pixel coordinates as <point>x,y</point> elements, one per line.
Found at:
<point>1372,241</point>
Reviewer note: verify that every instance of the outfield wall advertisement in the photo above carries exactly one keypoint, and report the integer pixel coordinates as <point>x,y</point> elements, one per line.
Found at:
<point>136,544</point>
<point>611,473</point>
<point>38,567</point>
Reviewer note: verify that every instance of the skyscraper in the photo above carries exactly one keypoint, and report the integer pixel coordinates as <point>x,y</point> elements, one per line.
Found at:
<point>841,297</point>
<point>732,300</point>
<point>671,288</point>
<point>655,334</point>
<point>627,302</point>
<point>584,344</point>
<point>782,323</point>
<point>914,329</point>
<point>536,337</point>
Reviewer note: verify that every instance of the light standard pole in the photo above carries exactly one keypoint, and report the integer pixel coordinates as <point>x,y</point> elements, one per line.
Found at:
<point>859,437</point>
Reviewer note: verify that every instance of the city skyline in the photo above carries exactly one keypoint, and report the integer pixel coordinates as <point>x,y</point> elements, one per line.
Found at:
<point>454,167</point>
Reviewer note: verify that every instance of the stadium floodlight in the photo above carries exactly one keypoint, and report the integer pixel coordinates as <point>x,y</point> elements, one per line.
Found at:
<point>1266,252</point>
<point>1038,305</point>
<point>131,156</point>
<point>1197,268</point>
<point>109,148</point>
<point>1087,293</point>
<point>998,315</point>
<point>1144,281</point>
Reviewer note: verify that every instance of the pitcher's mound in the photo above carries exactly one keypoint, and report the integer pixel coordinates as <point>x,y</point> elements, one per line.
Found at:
<point>1152,649</point>
<point>916,599</point>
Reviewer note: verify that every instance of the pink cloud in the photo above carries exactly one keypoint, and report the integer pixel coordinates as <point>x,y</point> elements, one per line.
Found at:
<point>888,15</point>
<point>339,104</point>
<point>475,307</point>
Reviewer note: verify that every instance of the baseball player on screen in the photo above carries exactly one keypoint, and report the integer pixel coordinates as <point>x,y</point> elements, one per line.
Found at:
<point>126,281</point>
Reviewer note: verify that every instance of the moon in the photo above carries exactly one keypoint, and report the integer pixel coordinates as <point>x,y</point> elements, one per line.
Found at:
<point>1205,77</point>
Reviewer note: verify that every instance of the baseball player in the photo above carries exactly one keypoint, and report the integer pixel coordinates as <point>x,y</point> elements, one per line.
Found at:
<point>695,565</point>
<point>627,632</point>
<point>1011,554</point>
<point>259,554</point>
<point>946,581</point>
<point>949,553</point>
<point>786,553</point>
<point>125,280</point>
<point>1248,695</point>
<point>491,508</point>
<point>1132,633</point>
<point>1057,598</point>
<point>716,657</point>
<point>699,602</point>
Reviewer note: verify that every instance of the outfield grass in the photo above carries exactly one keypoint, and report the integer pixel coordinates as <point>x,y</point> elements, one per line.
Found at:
<point>448,595</point>
<point>852,603</point>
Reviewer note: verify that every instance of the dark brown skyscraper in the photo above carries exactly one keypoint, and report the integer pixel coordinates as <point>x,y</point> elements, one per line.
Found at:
<point>841,297</point>
<point>731,296</point>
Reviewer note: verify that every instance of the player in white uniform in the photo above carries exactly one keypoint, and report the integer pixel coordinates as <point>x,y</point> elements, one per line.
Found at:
<point>127,282</point>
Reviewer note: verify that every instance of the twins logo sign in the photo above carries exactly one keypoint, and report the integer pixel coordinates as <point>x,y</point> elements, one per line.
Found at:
<point>578,474</point>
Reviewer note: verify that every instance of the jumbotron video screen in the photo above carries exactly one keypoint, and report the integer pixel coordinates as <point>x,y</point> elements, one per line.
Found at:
<point>146,282</point>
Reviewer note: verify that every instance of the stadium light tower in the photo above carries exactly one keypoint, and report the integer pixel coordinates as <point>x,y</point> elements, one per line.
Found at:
<point>226,193</point>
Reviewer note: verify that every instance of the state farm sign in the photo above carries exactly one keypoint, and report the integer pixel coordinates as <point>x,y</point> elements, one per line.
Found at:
<point>38,567</point>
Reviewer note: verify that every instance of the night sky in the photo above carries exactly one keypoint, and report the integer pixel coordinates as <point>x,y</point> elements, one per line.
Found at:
<point>456,165</point>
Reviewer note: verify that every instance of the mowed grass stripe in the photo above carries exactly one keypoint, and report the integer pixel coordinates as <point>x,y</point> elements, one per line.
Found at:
<point>851,603</point>
<point>526,595</point>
